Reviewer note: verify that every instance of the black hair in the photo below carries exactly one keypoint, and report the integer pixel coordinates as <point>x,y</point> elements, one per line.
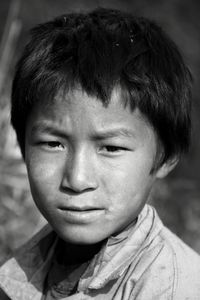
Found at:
<point>98,51</point>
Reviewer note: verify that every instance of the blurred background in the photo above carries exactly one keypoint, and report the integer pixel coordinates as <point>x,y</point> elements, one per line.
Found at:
<point>177,198</point>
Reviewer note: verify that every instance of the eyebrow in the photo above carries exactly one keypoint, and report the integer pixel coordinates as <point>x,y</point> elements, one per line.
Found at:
<point>115,133</point>
<point>99,135</point>
<point>45,127</point>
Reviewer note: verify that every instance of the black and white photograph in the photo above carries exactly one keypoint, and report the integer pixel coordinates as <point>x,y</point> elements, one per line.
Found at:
<point>99,150</point>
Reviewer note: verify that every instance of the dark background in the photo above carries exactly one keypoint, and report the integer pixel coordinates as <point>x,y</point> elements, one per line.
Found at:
<point>177,198</point>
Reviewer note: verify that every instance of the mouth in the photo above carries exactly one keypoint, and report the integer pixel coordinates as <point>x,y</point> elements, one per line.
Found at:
<point>79,208</point>
<point>81,215</point>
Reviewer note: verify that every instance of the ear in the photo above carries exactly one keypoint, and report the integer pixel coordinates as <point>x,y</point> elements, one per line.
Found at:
<point>167,167</point>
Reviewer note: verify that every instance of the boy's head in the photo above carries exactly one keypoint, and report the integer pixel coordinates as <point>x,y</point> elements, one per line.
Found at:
<point>101,108</point>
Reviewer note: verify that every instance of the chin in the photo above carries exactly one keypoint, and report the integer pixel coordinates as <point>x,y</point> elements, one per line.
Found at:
<point>78,238</point>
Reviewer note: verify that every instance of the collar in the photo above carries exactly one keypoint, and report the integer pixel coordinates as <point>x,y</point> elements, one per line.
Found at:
<point>26,272</point>
<point>21,276</point>
<point>126,249</point>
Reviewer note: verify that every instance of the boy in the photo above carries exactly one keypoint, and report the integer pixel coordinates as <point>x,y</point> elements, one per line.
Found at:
<point>101,108</point>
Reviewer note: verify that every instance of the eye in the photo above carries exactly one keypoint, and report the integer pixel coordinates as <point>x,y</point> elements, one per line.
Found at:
<point>54,145</point>
<point>114,149</point>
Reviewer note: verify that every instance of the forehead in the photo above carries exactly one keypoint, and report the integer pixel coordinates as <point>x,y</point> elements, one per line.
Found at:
<point>76,110</point>
<point>78,101</point>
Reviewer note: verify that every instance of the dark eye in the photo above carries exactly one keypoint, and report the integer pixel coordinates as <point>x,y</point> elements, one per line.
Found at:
<point>53,145</point>
<point>114,148</point>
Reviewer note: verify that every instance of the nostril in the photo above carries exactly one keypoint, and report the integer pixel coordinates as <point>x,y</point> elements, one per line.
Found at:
<point>68,191</point>
<point>74,192</point>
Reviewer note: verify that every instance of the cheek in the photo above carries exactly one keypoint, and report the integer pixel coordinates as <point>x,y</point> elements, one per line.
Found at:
<point>128,187</point>
<point>131,175</point>
<point>44,187</point>
<point>43,175</point>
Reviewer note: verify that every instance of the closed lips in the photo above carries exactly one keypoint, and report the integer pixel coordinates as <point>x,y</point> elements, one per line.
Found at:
<point>75,208</point>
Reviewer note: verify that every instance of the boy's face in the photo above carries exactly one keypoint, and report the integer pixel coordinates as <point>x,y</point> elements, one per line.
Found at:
<point>89,166</point>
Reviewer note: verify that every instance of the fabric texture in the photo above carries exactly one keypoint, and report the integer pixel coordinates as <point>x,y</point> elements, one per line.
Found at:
<point>144,262</point>
<point>62,280</point>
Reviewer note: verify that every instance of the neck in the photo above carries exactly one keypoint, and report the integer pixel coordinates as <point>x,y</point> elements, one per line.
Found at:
<point>70,254</point>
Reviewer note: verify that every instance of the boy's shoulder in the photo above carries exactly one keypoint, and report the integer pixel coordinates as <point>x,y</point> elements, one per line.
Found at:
<point>186,264</point>
<point>172,268</point>
<point>182,253</point>
<point>28,264</point>
<point>185,260</point>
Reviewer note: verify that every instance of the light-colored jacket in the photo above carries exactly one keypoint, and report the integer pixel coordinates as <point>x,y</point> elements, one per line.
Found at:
<point>144,262</point>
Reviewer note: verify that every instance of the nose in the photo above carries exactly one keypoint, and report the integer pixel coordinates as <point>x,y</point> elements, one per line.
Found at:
<point>79,174</point>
